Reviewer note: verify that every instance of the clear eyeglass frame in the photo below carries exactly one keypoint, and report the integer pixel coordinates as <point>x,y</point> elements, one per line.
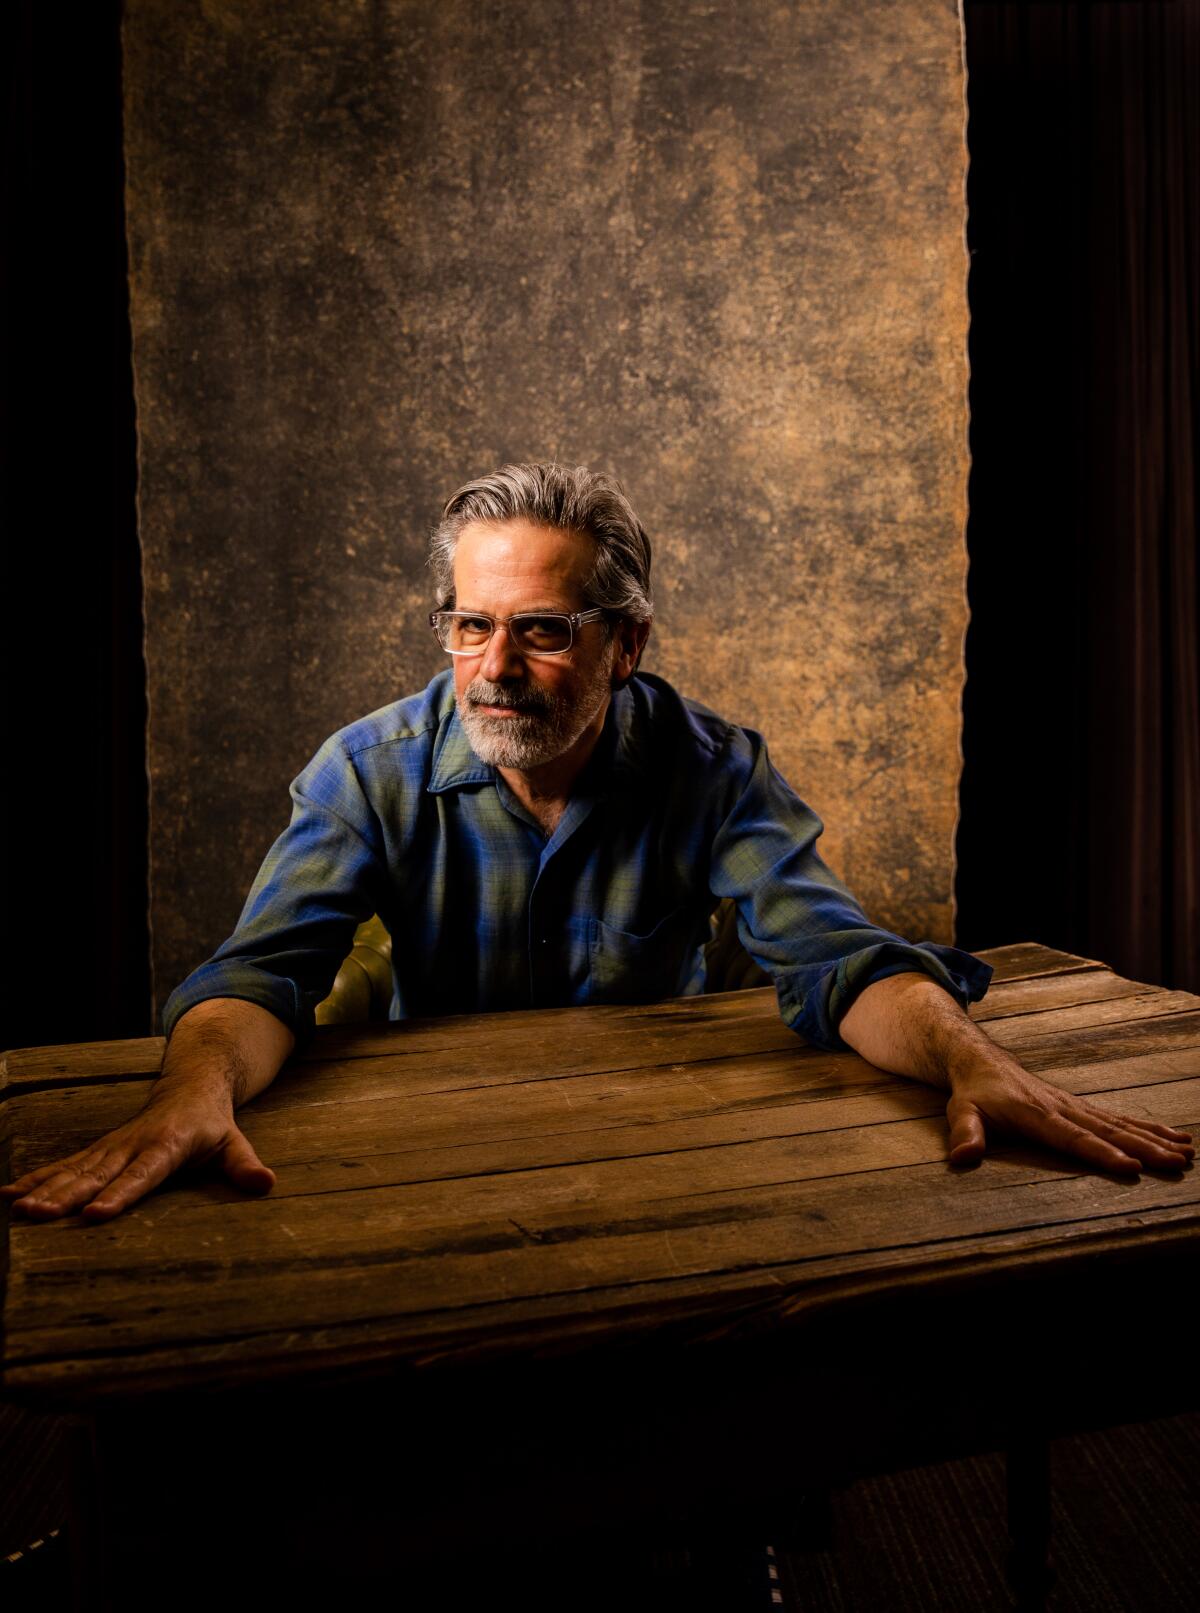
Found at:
<point>441,620</point>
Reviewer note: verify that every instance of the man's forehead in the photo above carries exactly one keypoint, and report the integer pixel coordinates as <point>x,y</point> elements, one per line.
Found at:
<point>520,551</point>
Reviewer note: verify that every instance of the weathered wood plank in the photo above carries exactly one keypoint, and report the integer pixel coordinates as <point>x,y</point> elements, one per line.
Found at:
<point>469,1198</point>
<point>707,1306</point>
<point>1045,992</point>
<point>410,1068</point>
<point>1023,959</point>
<point>1041,1047</point>
<point>1021,1029</point>
<point>378,1108</point>
<point>447,1245</point>
<point>512,1056</point>
<point>24,1068</point>
<point>732,1021</point>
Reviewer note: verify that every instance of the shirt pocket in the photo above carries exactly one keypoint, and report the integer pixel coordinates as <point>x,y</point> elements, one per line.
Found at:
<point>666,961</point>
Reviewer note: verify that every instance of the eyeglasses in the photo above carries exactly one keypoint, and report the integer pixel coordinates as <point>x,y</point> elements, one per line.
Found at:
<point>531,632</point>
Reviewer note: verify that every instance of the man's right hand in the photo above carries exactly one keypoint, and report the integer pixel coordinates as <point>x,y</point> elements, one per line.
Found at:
<point>182,1126</point>
<point>223,1052</point>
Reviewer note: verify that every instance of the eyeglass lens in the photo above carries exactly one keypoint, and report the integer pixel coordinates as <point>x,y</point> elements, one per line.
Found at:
<point>537,635</point>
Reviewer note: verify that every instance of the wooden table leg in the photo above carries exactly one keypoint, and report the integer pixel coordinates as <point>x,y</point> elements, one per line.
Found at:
<point>1027,1475</point>
<point>84,1535</point>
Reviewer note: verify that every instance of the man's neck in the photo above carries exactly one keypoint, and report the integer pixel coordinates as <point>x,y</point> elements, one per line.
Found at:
<point>544,791</point>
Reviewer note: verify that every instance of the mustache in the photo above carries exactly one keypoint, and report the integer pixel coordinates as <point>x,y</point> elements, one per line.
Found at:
<point>522,697</point>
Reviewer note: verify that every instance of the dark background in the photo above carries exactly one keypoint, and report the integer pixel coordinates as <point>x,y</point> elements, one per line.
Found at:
<point>1080,822</point>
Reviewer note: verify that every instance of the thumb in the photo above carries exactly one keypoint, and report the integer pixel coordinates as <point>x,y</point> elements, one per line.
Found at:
<point>967,1138</point>
<point>243,1166</point>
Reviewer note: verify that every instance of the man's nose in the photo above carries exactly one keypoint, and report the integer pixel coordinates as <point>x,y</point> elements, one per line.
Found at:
<point>501,659</point>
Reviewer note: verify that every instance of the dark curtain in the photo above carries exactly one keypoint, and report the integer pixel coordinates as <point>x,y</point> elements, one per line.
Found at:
<point>75,962</point>
<point>1081,787</point>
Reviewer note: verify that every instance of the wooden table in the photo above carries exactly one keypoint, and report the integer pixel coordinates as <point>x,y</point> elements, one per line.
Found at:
<point>628,1269</point>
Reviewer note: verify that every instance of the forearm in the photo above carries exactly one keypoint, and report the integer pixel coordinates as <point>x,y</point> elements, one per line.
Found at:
<point>907,1024</point>
<point>226,1048</point>
<point>222,1053</point>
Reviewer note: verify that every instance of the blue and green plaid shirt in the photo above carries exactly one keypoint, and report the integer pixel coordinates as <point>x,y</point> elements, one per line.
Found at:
<point>396,815</point>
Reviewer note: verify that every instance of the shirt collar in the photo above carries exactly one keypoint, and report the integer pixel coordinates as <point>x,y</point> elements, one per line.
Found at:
<point>615,760</point>
<point>454,762</point>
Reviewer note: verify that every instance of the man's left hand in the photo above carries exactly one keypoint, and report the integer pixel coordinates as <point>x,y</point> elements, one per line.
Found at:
<point>1000,1094</point>
<point>909,1025</point>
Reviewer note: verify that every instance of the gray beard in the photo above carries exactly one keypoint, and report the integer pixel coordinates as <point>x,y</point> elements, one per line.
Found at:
<point>547,725</point>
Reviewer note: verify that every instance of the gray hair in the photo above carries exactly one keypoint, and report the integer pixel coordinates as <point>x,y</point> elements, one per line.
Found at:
<point>570,497</point>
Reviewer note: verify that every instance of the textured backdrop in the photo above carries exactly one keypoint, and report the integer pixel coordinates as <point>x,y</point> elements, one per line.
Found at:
<point>379,248</point>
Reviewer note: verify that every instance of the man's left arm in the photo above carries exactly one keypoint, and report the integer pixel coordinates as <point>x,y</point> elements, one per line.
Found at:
<point>908,1024</point>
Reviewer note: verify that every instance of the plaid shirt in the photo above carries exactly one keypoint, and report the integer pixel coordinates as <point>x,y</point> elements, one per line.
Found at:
<point>396,815</point>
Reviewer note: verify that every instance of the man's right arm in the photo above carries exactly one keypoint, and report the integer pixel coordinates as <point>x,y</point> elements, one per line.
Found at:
<point>231,1024</point>
<point>222,1053</point>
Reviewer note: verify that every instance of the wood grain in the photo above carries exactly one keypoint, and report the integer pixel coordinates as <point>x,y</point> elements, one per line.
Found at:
<point>451,1186</point>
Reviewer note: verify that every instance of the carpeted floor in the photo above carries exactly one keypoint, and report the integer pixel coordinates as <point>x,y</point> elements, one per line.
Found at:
<point>1125,1522</point>
<point>1126,1539</point>
<point>33,1491</point>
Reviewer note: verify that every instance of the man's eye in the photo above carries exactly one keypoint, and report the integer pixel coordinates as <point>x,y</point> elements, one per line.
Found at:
<point>550,628</point>
<point>474,624</point>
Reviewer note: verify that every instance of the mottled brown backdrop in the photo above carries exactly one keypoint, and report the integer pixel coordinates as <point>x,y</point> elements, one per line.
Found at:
<point>377,248</point>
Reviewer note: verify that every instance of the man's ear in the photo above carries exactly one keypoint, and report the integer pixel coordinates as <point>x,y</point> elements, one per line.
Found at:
<point>630,638</point>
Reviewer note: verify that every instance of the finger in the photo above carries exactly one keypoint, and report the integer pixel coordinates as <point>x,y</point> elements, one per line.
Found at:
<point>69,1187</point>
<point>968,1139</point>
<point>243,1166</point>
<point>32,1179</point>
<point>1059,1132</point>
<point>1175,1139</point>
<point>1149,1149</point>
<point>1168,1131</point>
<point>1141,1137</point>
<point>142,1174</point>
<point>85,1159</point>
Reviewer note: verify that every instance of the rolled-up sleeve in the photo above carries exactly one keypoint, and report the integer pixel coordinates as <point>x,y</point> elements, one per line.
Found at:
<point>322,877</point>
<point>813,998</point>
<point>798,920</point>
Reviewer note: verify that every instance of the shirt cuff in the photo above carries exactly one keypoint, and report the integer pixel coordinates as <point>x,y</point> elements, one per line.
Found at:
<point>813,999</point>
<point>277,994</point>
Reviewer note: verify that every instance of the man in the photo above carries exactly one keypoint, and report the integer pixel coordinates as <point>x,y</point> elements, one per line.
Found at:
<point>542,826</point>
